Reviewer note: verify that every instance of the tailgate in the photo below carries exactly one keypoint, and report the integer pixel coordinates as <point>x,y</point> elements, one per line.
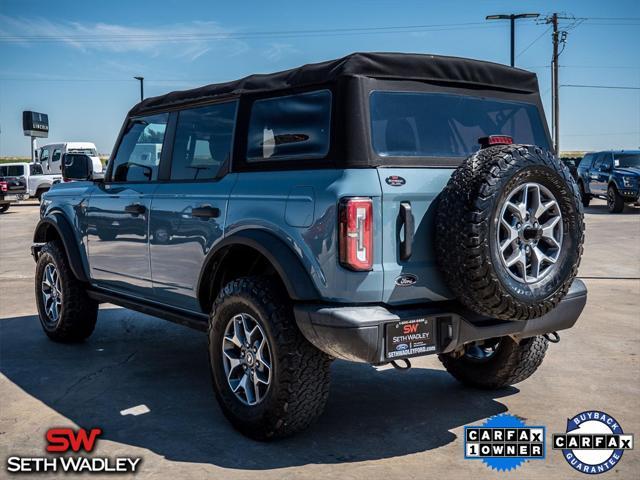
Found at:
<point>417,278</point>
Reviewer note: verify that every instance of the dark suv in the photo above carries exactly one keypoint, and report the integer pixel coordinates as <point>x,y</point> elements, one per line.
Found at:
<point>612,175</point>
<point>372,208</point>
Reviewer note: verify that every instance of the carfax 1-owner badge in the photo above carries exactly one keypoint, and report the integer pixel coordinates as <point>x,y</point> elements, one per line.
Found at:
<point>593,442</point>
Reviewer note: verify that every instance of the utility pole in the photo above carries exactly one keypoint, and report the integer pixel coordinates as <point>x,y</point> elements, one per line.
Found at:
<point>512,18</point>
<point>141,80</point>
<point>555,85</point>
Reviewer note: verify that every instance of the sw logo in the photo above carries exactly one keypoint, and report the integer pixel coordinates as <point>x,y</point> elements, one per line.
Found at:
<point>64,440</point>
<point>410,328</point>
<point>593,443</point>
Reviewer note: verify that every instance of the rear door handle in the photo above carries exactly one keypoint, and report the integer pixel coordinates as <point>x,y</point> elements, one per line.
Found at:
<point>406,219</point>
<point>135,209</point>
<point>205,211</point>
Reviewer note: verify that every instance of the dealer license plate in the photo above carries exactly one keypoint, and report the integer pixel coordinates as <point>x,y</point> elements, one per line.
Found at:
<point>409,338</point>
<point>10,198</point>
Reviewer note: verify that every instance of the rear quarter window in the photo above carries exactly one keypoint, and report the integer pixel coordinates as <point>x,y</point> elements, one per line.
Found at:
<point>290,127</point>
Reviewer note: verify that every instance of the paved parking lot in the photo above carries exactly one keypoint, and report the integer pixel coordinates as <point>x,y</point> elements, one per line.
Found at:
<point>379,423</point>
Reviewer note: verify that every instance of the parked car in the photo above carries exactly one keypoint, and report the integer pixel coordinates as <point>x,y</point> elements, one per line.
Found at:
<point>37,181</point>
<point>12,189</point>
<point>50,155</point>
<point>372,208</point>
<point>613,175</point>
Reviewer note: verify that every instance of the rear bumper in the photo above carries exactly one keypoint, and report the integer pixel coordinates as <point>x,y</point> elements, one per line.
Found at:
<point>356,333</point>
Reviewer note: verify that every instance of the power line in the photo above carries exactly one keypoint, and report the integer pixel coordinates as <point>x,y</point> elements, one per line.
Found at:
<point>532,43</point>
<point>617,87</point>
<point>203,36</point>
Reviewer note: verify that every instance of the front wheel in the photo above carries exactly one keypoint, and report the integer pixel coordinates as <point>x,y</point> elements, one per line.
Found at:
<point>496,363</point>
<point>615,202</point>
<point>269,380</point>
<point>66,312</point>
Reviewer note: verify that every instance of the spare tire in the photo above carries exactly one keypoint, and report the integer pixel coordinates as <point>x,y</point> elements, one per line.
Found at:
<point>509,232</point>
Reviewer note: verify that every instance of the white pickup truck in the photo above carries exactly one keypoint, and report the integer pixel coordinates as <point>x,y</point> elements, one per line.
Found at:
<point>37,181</point>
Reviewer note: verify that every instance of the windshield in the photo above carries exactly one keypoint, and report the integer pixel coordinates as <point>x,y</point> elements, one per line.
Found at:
<point>11,170</point>
<point>626,160</point>
<point>87,151</point>
<point>412,124</point>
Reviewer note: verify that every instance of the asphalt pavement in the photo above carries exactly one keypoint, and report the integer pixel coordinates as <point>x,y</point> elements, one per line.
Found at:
<point>145,383</point>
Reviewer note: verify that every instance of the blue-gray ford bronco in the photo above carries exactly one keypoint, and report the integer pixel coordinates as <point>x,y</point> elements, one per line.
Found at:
<point>373,208</point>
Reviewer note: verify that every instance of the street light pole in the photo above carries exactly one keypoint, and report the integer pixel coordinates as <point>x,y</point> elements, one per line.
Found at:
<point>141,80</point>
<point>512,19</point>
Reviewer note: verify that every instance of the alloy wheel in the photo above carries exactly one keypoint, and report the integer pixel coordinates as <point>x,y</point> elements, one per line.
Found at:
<point>529,233</point>
<point>51,293</point>
<point>246,357</point>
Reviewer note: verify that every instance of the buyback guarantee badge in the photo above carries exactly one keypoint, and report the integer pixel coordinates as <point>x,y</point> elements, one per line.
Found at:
<point>593,443</point>
<point>504,442</point>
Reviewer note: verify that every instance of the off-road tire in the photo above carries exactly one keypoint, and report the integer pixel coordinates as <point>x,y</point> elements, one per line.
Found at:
<point>78,314</point>
<point>512,363</point>
<point>300,377</point>
<point>466,219</point>
<point>584,196</point>
<point>615,201</point>
<point>4,207</point>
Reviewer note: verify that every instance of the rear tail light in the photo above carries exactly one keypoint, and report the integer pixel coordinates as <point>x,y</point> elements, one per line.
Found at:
<point>3,186</point>
<point>495,140</point>
<point>356,233</point>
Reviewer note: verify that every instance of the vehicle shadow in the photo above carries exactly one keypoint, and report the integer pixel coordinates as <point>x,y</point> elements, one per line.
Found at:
<point>604,210</point>
<point>133,359</point>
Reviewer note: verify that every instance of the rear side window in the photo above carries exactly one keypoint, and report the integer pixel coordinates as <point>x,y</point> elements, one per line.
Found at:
<point>35,169</point>
<point>289,128</point>
<point>138,155</point>
<point>203,141</point>
<point>56,155</point>
<point>414,124</point>
<point>74,167</point>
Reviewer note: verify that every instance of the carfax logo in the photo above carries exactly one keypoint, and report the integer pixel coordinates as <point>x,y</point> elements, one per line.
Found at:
<point>593,443</point>
<point>504,442</point>
<point>64,440</point>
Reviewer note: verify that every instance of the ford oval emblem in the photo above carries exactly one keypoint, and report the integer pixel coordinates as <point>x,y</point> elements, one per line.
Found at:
<point>406,280</point>
<point>395,181</point>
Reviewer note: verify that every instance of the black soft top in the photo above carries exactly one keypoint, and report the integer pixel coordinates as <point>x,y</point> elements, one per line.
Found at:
<point>401,66</point>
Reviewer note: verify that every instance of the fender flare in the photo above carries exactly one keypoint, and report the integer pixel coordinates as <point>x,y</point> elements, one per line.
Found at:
<point>63,228</point>
<point>287,264</point>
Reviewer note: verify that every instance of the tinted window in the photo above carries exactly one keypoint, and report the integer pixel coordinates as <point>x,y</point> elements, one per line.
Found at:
<point>11,170</point>
<point>36,169</point>
<point>607,163</point>
<point>292,127</point>
<point>406,124</point>
<point>203,141</point>
<point>75,166</point>
<point>626,160</point>
<point>56,155</point>
<point>138,155</point>
<point>586,161</point>
<point>600,157</point>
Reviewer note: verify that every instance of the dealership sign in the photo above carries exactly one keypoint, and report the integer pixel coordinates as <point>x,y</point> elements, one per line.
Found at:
<point>35,124</point>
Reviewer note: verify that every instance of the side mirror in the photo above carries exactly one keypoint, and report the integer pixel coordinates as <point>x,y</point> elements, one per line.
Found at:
<point>77,167</point>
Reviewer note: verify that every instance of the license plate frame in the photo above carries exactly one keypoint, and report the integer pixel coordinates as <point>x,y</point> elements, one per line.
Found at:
<point>10,198</point>
<point>410,338</point>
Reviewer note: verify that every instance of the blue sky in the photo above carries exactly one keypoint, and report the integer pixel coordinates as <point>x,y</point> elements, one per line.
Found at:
<point>83,79</point>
